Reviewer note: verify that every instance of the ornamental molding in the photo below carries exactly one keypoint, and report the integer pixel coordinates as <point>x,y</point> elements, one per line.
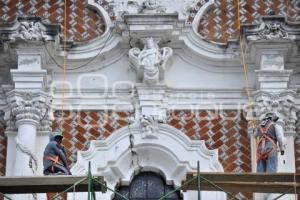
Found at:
<point>29,28</point>
<point>283,104</point>
<point>109,8</point>
<point>272,31</point>
<point>126,153</point>
<point>150,62</point>
<point>27,107</point>
<point>272,28</point>
<point>149,125</point>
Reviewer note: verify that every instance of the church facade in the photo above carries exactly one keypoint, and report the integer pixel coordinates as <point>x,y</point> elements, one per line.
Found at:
<point>147,86</point>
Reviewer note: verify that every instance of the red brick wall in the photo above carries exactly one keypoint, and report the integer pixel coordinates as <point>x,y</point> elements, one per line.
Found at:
<point>79,128</point>
<point>225,131</point>
<point>82,23</point>
<point>221,21</point>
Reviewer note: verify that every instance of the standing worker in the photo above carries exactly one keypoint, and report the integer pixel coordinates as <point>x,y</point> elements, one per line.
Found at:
<point>269,135</point>
<point>55,161</point>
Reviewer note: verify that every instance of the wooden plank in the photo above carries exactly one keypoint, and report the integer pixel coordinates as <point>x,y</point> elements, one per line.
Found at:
<point>43,184</point>
<point>249,177</point>
<point>232,182</point>
<point>233,187</point>
<point>246,182</point>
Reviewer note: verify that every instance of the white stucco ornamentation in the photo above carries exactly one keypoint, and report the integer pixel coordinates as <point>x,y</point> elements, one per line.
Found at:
<point>26,111</point>
<point>120,7</point>
<point>150,62</point>
<point>29,31</point>
<point>29,28</point>
<point>149,124</point>
<point>283,104</point>
<point>271,31</point>
<point>126,153</point>
<point>272,27</point>
<point>152,6</point>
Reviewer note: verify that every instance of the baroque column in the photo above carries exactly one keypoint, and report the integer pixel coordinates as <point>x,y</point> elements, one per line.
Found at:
<point>27,110</point>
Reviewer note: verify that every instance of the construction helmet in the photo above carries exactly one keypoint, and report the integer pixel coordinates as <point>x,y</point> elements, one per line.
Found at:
<point>272,116</point>
<point>57,135</point>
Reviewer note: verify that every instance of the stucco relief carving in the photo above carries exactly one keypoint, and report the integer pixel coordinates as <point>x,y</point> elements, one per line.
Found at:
<point>28,106</point>
<point>150,62</point>
<point>29,30</point>
<point>149,126</point>
<point>173,154</point>
<point>119,7</point>
<point>272,31</point>
<point>271,28</point>
<point>282,104</point>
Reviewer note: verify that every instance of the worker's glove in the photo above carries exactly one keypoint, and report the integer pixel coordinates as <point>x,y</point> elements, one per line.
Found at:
<point>282,153</point>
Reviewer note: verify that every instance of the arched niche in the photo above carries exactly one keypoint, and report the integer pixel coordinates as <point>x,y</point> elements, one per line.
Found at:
<point>128,151</point>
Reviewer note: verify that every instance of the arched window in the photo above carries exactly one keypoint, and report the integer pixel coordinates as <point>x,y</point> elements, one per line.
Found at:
<point>147,185</point>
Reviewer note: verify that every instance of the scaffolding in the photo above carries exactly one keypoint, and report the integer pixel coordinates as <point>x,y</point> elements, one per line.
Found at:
<point>230,183</point>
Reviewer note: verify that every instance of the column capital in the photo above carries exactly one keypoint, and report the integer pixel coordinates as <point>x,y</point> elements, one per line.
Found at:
<point>28,107</point>
<point>281,103</point>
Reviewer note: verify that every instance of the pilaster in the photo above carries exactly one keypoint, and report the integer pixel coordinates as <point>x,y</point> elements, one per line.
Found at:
<point>271,46</point>
<point>152,100</point>
<point>28,106</point>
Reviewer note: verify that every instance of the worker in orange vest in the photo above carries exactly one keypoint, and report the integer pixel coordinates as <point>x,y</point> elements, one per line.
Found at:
<point>55,161</point>
<point>270,135</point>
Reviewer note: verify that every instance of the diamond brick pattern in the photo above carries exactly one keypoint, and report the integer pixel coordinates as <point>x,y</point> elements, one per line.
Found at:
<point>195,9</point>
<point>79,128</point>
<point>220,23</point>
<point>226,131</point>
<point>3,145</point>
<point>82,23</point>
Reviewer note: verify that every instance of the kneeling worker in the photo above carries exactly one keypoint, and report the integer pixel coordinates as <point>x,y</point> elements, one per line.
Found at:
<point>55,161</point>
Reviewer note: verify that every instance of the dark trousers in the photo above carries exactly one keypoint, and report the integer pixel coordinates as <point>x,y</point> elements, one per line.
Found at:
<point>57,169</point>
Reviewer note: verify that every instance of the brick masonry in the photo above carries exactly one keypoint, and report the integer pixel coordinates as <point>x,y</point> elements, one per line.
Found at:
<point>82,23</point>
<point>79,128</point>
<point>225,131</point>
<point>221,22</point>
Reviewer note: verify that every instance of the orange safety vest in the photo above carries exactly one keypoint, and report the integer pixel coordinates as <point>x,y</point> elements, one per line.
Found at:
<point>261,142</point>
<point>55,161</point>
